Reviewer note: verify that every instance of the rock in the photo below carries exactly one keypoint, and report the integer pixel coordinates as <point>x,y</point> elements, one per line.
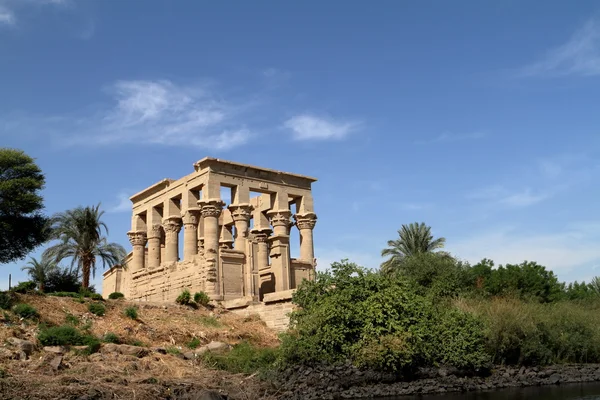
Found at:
<point>190,355</point>
<point>216,346</point>
<point>55,349</point>
<point>23,345</point>
<point>125,349</point>
<point>554,379</point>
<point>79,348</point>
<point>210,395</point>
<point>160,350</point>
<point>96,357</point>
<point>56,363</point>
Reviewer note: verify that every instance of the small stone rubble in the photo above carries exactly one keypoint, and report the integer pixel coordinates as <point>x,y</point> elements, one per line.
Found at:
<point>347,382</point>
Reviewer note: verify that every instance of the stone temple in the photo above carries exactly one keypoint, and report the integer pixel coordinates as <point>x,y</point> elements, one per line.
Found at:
<point>238,254</point>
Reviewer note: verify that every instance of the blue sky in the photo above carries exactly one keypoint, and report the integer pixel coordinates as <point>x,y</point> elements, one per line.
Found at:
<point>479,118</point>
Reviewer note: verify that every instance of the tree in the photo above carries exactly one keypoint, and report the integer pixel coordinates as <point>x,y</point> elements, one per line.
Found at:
<point>79,232</point>
<point>22,225</point>
<point>413,239</point>
<point>39,270</point>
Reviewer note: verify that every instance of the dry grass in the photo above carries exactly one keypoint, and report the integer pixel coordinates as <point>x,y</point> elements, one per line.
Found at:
<point>117,376</point>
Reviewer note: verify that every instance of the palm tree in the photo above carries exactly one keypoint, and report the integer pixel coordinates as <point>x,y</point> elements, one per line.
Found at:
<point>39,270</point>
<point>413,239</point>
<point>79,232</point>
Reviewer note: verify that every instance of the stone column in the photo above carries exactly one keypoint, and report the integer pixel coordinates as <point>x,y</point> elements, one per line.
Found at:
<point>172,226</point>
<point>262,238</point>
<point>138,241</point>
<point>306,223</point>
<point>280,248</point>
<point>190,234</point>
<point>240,213</point>
<point>211,210</point>
<point>154,235</point>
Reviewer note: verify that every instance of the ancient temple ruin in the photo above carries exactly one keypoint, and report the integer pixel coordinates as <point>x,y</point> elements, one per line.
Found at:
<point>238,254</point>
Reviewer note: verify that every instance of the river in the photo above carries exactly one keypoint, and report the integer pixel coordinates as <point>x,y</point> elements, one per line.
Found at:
<point>587,391</point>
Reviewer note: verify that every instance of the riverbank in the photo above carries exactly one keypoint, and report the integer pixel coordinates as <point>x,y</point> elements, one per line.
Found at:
<point>347,382</point>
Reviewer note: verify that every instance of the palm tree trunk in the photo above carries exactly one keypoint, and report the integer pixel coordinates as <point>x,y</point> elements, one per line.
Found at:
<point>86,275</point>
<point>41,288</point>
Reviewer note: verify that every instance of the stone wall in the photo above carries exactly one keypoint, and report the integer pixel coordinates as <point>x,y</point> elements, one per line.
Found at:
<point>274,309</point>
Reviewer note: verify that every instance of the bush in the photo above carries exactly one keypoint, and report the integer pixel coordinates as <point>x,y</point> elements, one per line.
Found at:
<point>184,298</point>
<point>201,298</point>
<point>62,280</point>
<point>243,358</point>
<point>7,299</point>
<point>194,343</point>
<point>116,295</point>
<point>97,309</point>
<point>25,311</point>
<point>67,335</point>
<point>24,287</point>
<point>64,294</point>
<point>131,312</point>
<point>111,338</point>
<point>96,296</point>
<point>71,319</point>
<point>86,292</point>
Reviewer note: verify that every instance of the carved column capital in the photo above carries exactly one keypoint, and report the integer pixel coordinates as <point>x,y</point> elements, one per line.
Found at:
<point>155,231</point>
<point>280,218</point>
<point>137,238</point>
<point>240,212</point>
<point>306,221</point>
<point>261,237</point>
<point>191,217</point>
<point>211,208</point>
<point>172,225</point>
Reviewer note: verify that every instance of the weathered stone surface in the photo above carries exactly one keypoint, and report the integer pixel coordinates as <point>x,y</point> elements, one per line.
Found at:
<point>216,346</point>
<point>55,349</point>
<point>125,349</point>
<point>160,350</point>
<point>56,363</point>
<point>25,346</point>
<point>6,354</point>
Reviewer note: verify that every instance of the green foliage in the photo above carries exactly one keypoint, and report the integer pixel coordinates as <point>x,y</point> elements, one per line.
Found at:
<point>173,350</point>
<point>80,236</point>
<point>194,343</point>
<point>39,270</point>
<point>25,311</point>
<point>184,298</point>
<point>97,309</point>
<point>377,321</point>
<point>210,321</point>
<point>64,335</point>
<point>138,343</point>
<point>24,287</point>
<point>131,312</point>
<point>111,338</point>
<point>65,294</point>
<point>201,298</point>
<point>22,225</point>
<point>71,319</point>
<point>243,358</point>
<point>62,280</point>
<point>96,296</point>
<point>116,295</point>
<point>7,299</point>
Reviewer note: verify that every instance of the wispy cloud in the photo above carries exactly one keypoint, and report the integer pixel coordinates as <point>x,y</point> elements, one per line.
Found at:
<point>580,55</point>
<point>572,253</point>
<point>122,203</point>
<point>8,8</point>
<point>499,194</point>
<point>448,137</point>
<point>157,112</point>
<point>311,127</point>
<point>7,17</point>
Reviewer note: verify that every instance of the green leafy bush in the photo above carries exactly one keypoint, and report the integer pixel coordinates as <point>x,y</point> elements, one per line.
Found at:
<point>184,298</point>
<point>131,312</point>
<point>71,319</point>
<point>67,335</point>
<point>116,295</point>
<point>111,338</point>
<point>25,311</point>
<point>243,358</point>
<point>201,298</point>
<point>7,299</point>
<point>97,309</point>
<point>194,343</point>
<point>62,280</point>
<point>96,296</point>
<point>24,287</point>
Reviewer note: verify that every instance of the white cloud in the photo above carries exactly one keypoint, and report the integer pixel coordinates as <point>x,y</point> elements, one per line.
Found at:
<point>571,253</point>
<point>7,17</point>
<point>8,7</point>
<point>310,127</point>
<point>448,137</point>
<point>161,112</point>
<point>500,195</point>
<point>578,56</point>
<point>123,204</point>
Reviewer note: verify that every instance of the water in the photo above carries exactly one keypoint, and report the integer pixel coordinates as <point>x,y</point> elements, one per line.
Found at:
<point>575,391</point>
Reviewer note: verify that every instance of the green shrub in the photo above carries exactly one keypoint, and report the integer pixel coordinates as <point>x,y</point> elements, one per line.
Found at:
<point>131,312</point>
<point>86,292</point>
<point>7,299</point>
<point>184,298</point>
<point>173,350</point>
<point>201,298</point>
<point>96,296</point>
<point>24,287</point>
<point>97,309</point>
<point>67,335</point>
<point>111,338</point>
<point>137,343</point>
<point>116,295</point>
<point>64,294</point>
<point>194,343</point>
<point>243,358</point>
<point>71,319</point>
<point>25,311</point>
